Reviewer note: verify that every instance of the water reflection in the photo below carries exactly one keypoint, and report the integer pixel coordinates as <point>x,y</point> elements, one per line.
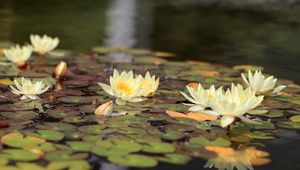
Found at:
<point>120,29</point>
<point>243,159</point>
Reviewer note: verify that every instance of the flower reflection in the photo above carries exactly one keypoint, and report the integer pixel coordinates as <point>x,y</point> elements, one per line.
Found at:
<point>229,158</point>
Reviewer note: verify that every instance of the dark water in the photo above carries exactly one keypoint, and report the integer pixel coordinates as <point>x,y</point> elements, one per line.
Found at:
<point>270,38</point>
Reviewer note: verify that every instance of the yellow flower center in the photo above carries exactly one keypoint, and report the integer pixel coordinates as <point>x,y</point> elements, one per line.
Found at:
<point>121,86</point>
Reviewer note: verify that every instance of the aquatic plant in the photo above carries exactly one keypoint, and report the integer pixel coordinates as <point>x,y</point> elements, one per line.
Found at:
<point>124,87</point>
<point>60,70</point>
<point>235,102</point>
<point>200,97</point>
<point>149,84</point>
<point>262,85</point>
<point>43,44</point>
<point>18,55</point>
<point>29,89</point>
<point>106,109</point>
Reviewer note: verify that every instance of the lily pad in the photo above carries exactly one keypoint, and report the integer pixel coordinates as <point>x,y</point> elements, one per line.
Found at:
<point>18,140</point>
<point>134,160</point>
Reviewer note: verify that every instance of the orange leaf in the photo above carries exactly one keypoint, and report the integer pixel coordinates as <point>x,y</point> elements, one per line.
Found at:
<point>199,63</point>
<point>176,114</point>
<point>193,85</point>
<point>208,73</point>
<point>198,116</point>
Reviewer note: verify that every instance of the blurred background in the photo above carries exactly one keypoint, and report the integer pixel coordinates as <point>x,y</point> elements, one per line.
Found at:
<point>259,32</point>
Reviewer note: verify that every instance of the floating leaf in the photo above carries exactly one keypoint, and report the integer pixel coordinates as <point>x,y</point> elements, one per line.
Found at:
<point>179,159</point>
<point>295,118</point>
<point>51,135</point>
<point>18,155</point>
<point>17,140</point>
<point>158,147</point>
<point>134,160</point>
<point>205,142</point>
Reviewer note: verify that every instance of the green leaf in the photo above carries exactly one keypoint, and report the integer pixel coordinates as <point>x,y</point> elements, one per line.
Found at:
<point>18,155</point>
<point>179,159</point>
<point>158,147</point>
<point>17,140</point>
<point>134,160</point>
<point>51,135</point>
<point>205,142</point>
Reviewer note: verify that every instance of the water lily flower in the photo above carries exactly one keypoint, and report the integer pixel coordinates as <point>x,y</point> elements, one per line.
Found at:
<point>200,97</point>
<point>106,109</point>
<point>43,44</point>
<point>262,85</point>
<point>60,70</point>
<point>235,102</point>
<point>124,87</point>
<point>18,55</point>
<point>149,84</point>
<point>29,89</point>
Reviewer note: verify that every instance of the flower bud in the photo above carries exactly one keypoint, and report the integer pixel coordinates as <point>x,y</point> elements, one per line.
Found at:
<point>104,109</point>
<point>60,70</point>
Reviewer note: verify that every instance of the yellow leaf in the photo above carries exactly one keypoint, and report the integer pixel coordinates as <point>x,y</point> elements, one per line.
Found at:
<point>6,82</point>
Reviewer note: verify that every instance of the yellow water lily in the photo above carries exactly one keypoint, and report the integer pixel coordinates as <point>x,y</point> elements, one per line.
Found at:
<point>234,103</point>
<point>260,84</point>
<point>18,55</point>
<point>29,89</point>
<point>200,97</point>
<point>124,87</point>
<point>43,44</point>
<point>149,84</point>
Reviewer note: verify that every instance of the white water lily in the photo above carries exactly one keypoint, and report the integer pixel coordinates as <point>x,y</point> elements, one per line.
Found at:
<point>124,87</point>
<point>29,89</point>
<point>201,97</point>
<point>43,44</point>
<point>149,84</point>
<point>18,55</point>
<point>234,103</point>
<point>262,85</point>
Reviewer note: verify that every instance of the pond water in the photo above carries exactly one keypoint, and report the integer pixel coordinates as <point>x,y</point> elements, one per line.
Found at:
<point>231,36</point>
<point>267,37</point>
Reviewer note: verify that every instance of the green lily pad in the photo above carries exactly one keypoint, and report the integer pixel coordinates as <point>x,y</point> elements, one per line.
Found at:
<point>80,146</point>
<point>18,140</point>
<point>59,113</point>
<point>295,118</point>
<point>158,147</point>
<point>205,142</point>
<point>260,135</point>
<point>70,164</point>
<point>92,129</point>
<point>289,125</point>
<point>178,159</point>
<point>51,135</point>
<point>18,155</point>
<point>26,115</point>
<point>75,100</point>
<point>134,160</point>
<point>56,126</point>
<point>64,155</point>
